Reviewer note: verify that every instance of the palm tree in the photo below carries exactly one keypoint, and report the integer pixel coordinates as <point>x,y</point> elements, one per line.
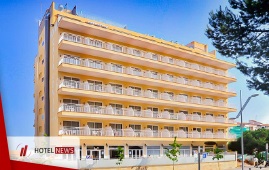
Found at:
<point>218,154</point>
<point>173,153</point>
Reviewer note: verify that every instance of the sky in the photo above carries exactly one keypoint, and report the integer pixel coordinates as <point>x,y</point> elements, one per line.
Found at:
<point>182,21</point>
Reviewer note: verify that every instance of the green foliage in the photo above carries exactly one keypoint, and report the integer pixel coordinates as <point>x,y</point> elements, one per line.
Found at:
<point>254,141</point>
<point>120,154</point>
<point>241,32</point>
<point>218,154</point>
<point>260,155</point>
<point>173,153</point>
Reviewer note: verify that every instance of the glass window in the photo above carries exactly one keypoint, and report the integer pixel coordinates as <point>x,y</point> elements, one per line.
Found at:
<point>116,88</point>
<point>170,128</point>
<point>198,113</point>
<point>197,129</point>
<point>95,85</point>
<point>70,101</point>
<point>136,91</point>
<point>117,108</point>
<point>155,57</point>
<point>153,150</point>
<point>94,125</point>
<point>70,123</point>
<point>186,129</point>
<point>135,127</point>
<point>153,127</point>
<point>117,68</point>
<point>154,93</point>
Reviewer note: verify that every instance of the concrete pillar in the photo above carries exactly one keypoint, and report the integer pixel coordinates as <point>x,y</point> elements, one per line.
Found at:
<point>145,151</point>
<point>106,148</point>
<point>126,151</point>
<point>161,150</point>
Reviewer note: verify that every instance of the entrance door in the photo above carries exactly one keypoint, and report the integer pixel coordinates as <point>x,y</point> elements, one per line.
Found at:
<point>135,153</point>
<point>95,154</point>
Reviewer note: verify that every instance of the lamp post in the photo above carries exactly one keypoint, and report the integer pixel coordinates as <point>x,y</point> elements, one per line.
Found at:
<point>241,124</point>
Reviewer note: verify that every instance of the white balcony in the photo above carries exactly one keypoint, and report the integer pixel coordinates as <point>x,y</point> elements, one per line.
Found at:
<point>74,60</point>
<point>109,110</point>
<point>147,133</point>
<point>136,52</point>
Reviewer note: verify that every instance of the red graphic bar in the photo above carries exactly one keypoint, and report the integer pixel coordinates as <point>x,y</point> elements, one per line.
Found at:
<point>64,150</point>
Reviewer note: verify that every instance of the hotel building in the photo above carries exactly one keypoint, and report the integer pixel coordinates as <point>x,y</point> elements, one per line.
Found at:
<point>114,87</point>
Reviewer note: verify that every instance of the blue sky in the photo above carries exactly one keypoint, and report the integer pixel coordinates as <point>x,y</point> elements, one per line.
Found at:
<point>182,21</point>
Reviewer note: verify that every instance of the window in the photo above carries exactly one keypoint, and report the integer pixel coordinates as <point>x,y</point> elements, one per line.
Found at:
<point>171,111</point>
<point>153,74</point>
<point>184,111</point>
<point>117,108</point>
<point>95,107</point>
<point>170,60</point>
<point>42,116</point>
<point>136,52</point>
<point>184,97</point>
<point>170,77</point>
<point>70,101</point>
<point>137,110</point>
<point>196,99</point>
<point>136,128</point>
<point>117,48</point>
<point>170,128</point>
<point>153,150</point>
<point>186,80</point>
<point>116,68</point>
<point>209,129</point>
<point>155,57</point>
<point>42,79</point>
<point>71,82</point>
<point>198,113</point>
<point>221,116</point>
<point>94,125</point>
<point>197,129</point>
<point>154,93</point>
<point>69,124</point>
<point>97,43</point>
<point>137,72</point>
<point>42,61</point>
<point>95,85</point>
<point>116,88</point>
<point>136,91</point>
<point>153,127</point>
<point>210,114</point>
<point>115,126</point>
<point>154,110</point>
<point>94,64</point>
<point>221,130</point>
<point>186,129</point>
<point>170,94</point>
<point>42,98</point>
<point>117,129</point>
<point>113,151</point>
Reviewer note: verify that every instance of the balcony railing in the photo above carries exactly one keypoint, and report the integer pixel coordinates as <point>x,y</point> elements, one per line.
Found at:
<point>148,133</point>
<point>139,53</point>
<point>67,59</point>
<point>140,93</point>
<point>109,110</point>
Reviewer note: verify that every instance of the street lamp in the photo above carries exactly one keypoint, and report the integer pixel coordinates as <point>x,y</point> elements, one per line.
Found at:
<point>241,124</point>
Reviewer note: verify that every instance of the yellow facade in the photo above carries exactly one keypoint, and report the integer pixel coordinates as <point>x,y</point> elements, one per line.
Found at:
<point>114,87</point>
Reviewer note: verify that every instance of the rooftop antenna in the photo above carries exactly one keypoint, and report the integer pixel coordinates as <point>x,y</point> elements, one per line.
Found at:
<point>65,6</point>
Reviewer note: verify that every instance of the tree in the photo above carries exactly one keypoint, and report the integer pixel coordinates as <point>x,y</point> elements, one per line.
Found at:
<point>254,141</point>
<point>173,153</point>
<point>242,33</point>
<point>217,154</point>
<point>120,154</point>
